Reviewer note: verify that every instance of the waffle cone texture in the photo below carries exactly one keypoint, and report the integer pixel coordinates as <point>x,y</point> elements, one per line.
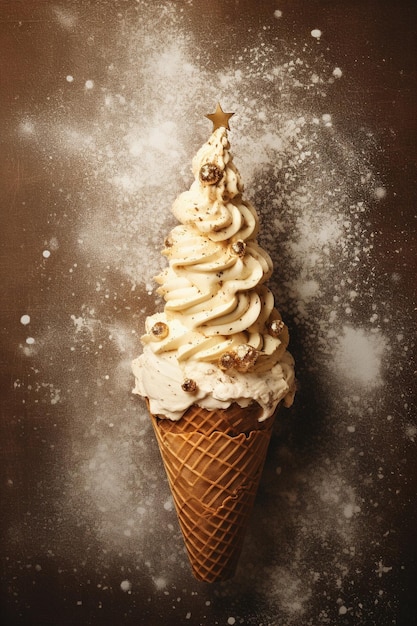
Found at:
<point>214,461</point>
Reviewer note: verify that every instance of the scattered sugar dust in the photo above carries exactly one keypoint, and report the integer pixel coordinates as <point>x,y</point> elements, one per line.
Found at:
<point>358,356</point>
<point>127,152</point>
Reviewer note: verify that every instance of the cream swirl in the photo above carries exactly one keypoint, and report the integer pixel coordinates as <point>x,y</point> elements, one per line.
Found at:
<point>217,307</point>
<point>217,210</point>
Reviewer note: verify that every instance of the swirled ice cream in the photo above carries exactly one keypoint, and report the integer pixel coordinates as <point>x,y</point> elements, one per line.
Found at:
<point>220,339</point>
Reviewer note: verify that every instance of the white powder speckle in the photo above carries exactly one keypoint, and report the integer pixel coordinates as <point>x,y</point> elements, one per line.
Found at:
<point>126,585</point>
<point>160,583</point>
<point>53,244</point>
<point>316,33</point>
<point>382,569</point>
<point>277,13</point>
<point>380,193</point>
<point>89,84</point>
<point>66,18</point>
<point>69,78</point>
<point>25,320</point>
<point>327,119</point>
<point>27,128</point>
<point>411,432</point>
<point>168,504</point>
<point>231,621</point>
<point>305,290</point>
<point>359,355</point>
<point>349,510</point>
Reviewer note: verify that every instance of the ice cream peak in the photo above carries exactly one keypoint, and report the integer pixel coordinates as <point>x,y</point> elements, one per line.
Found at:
<point>219,321</point>
<point>217,309</point>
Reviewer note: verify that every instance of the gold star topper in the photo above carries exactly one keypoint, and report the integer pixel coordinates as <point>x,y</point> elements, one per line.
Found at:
<point>219,118</point>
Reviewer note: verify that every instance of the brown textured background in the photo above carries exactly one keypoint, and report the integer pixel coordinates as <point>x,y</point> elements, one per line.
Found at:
<point>67,558</point>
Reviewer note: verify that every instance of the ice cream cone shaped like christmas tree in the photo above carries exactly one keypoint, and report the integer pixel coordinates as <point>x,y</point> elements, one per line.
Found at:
<point>215,364</point>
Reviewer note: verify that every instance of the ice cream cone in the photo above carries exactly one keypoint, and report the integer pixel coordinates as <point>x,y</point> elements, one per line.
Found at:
<point>219,341</point>
<point>214,461</point>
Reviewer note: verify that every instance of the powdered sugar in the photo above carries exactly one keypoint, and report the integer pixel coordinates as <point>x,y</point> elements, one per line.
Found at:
<point>358,356</point>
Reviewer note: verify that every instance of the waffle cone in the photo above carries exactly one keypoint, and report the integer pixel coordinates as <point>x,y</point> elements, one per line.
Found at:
<point>214,461</point>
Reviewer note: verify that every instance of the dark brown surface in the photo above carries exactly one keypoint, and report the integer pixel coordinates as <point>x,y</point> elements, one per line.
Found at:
<point>102,109</point>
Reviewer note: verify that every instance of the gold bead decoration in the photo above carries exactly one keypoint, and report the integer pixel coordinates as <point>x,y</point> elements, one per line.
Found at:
<point>160,330</point>
<point>238,248</point>
<point>210,174</point>
<point>189,385</point>
<point>227,361</point>
<point>245,357</point>
<point>275,328</point>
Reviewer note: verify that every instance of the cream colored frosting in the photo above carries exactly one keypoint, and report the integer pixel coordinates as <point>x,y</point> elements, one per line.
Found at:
<point>159,379</point>
<point>219,336</point>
